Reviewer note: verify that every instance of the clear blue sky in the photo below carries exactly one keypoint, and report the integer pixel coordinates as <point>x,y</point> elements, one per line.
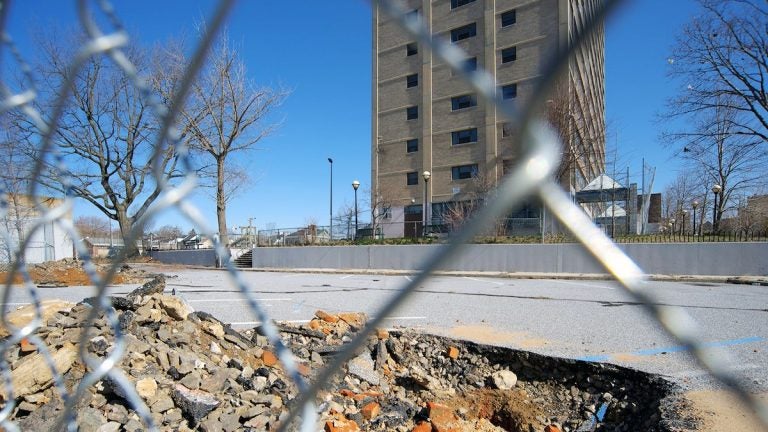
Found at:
<point>322,51</point>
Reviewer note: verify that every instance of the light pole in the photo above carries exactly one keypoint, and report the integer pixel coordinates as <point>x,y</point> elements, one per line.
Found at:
<point>682,223</point>
<point>694,204</point>
<point>426,175</point>
<point>330,206</point>
<point>672,226</point>
<point>716,191</point>
<point>355,185</point>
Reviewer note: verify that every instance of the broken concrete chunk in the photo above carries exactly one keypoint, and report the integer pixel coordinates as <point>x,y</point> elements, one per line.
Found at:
<point>362,367</point>
<point>504,379</point>
<point>175,307</point>
<point>33,374</point>
<point>155,286</point>
<point>194,403</point>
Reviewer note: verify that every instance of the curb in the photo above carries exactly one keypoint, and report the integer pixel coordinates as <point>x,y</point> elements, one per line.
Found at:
<point>741,280</point>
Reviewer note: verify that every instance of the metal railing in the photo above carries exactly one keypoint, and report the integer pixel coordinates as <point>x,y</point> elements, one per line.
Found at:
<point>532,176</point>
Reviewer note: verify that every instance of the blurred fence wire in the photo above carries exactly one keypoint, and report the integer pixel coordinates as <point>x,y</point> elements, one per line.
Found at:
<point>532,176</point>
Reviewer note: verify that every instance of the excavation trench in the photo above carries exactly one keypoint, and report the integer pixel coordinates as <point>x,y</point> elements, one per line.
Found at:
<point>194,372</point>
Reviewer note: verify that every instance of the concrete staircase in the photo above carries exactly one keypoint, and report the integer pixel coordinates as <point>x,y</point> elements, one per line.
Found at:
<point>245,260</point>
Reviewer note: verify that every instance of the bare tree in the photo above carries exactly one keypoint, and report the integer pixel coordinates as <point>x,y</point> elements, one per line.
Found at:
<point>721,58</point>
<point>92,226</point>
<point>717,152</point>
<point>106,134</point>
<point>226,115</point>
<point>14,180</point>
<point>478,192</point>
<point>582,145</point>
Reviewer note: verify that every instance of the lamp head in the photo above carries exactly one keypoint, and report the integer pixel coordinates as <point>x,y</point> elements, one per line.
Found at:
<point>426,175</point>
<point>355,184</point>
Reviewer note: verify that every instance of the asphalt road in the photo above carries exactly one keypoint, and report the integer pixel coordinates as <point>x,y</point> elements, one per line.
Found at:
<point>592,320</point>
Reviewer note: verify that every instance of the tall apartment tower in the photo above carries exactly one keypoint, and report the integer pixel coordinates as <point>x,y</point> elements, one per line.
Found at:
<point>427,118</point>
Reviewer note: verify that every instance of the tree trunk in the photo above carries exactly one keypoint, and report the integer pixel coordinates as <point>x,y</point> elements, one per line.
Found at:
<point>125,224</point>
<point>221,203</point>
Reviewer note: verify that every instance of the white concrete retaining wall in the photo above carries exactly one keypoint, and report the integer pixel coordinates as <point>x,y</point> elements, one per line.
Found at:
<point>198,257</point>
<point>725,259</point>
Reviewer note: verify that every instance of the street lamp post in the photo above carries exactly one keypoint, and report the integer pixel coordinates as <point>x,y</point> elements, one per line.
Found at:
<point>355,185</point>
<point>694,204</point>
<point>671,226</point>
<point>330,206</point>
<point>426,175</point>
<point>716,191</point>
<point>682,223</point>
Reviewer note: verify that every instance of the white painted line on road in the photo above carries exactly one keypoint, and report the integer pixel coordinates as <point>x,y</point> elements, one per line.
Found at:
<point>408,278</point>
<point>346,277</point>
<point>235,299</point>
<point>583,284</point>
<point>484,281</point>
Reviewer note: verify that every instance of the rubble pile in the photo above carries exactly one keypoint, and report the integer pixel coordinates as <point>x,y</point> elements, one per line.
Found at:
<point>69,272</point>
<point>196,373</point>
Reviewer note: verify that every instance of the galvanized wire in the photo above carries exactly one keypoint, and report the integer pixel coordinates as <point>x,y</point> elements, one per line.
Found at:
<point>532,176</point>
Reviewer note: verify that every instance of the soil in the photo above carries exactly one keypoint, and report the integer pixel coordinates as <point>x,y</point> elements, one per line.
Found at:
<point>70,272</point>
<point>720,410</point>
<point>511,410</point>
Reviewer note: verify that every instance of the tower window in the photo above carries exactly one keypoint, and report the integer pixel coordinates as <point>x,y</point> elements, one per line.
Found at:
<point>412,80</point>
<point>412,178</point>
<point>463,172</point>
<point>412,145</point>
<point>412,113</point>
<point>459,3</point>
<point>464,32</point>
<point>509,91</point>
<point>462,102</point>
<point>509,54</point>
<point>508,18</point>
<point>464,136</point>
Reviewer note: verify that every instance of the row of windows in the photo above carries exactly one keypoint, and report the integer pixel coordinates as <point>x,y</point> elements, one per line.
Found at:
<point>508,55</point>
<point>508,18</point>
<point>464,136</point>
<point>460,172</point>
<point>508,91</point>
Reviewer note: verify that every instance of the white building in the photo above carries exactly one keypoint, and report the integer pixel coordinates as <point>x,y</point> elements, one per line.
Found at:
<point>48,242</point>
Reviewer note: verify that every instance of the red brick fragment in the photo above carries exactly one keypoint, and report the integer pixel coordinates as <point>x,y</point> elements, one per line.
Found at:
<point>422,427</point>
<point>370,411</point>
<point>453,352</point>
<point>551,428</point>
<point>325,316</point>
<point>27,346</point>
<point>269,358</point>
<point>340,424</point>
<point>442,417</point>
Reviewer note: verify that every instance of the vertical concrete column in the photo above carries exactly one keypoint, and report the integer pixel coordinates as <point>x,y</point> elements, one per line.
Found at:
<point>426,107</point>
<point>493,162</point>
<point>375,141</point>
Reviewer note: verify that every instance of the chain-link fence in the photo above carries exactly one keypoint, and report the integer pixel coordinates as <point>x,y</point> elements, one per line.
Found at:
<point>532,176</point>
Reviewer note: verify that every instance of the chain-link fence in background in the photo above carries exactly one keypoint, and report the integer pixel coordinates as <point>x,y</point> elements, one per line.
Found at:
<point>532,176</point>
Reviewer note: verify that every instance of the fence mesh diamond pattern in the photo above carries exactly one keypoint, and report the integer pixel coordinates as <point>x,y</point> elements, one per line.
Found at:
<point>532,176</point>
